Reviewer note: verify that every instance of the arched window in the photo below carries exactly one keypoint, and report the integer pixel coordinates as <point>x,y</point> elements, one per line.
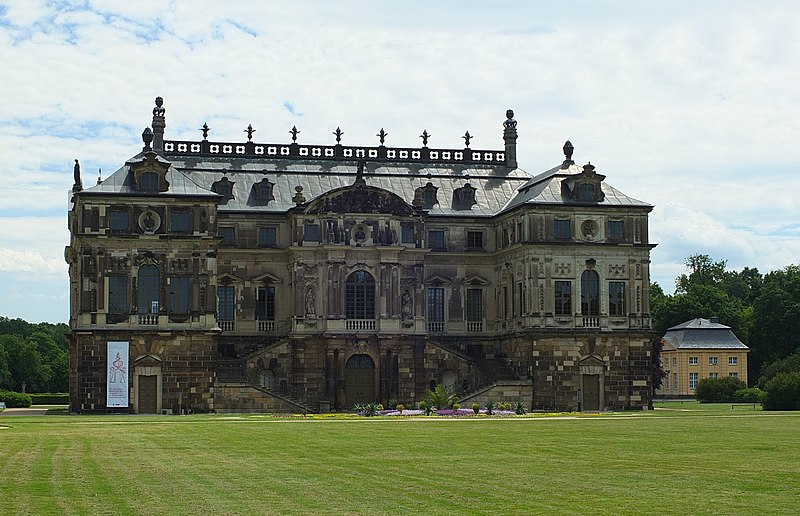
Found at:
<point>148,286</point>
<point>360,296</point>
<point>590,293</point>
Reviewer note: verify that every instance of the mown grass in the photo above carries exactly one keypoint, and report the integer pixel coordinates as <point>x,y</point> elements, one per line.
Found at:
<point>692,459</point>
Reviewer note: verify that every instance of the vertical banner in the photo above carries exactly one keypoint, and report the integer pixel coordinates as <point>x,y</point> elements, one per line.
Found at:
<point>117,379</point>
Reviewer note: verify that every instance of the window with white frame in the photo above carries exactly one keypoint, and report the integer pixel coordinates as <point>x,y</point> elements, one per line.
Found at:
<point>712,360</point>
<point>693,380</point>
<point>733,374</point>
<point>713,375</point>
<point>733,360</point>
<point>692,360</point>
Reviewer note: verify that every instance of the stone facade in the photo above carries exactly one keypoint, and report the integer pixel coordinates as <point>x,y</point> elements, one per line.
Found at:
<point>272,277</point>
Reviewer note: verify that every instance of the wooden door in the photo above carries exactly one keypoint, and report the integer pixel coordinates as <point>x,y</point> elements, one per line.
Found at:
<point>591,392</point>
<point>148,394</point>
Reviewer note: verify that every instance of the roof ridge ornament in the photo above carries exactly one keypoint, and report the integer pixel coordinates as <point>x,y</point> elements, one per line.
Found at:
<point>249,132</point>
<point>294,132</point>
<point>159,124</point>
<point>360,174</point>
<point>76,172</point>
<point>338,133</point>
<point>382,136</point>
<point>205,130</point>
<point>568,149</point>
<point>467,137</point>
<point>147,138</point>
<point>510,139</point>
<point>424,137</point>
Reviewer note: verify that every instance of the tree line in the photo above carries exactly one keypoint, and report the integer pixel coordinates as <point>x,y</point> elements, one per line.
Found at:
<point>33,357</point>
<point>762,310</point>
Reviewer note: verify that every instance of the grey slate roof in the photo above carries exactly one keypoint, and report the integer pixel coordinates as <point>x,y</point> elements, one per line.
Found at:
<point>545,188</point>
<point>497,188</point>
<point>702,334</point>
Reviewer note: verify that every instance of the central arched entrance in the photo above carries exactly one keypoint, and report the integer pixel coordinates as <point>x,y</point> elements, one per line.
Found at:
<point>359,380</point>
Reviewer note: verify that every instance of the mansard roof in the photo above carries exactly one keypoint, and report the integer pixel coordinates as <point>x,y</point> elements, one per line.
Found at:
<point>547,188</point>
<point>702,333</point>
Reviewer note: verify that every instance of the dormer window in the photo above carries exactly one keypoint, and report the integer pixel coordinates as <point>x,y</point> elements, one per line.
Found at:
<point>584,187</point>
<point>464,197</point>
<point>149,174</point>
<point>425,196</point>
<point>586,192</point>
<point>224,187</point>
<point>149,182</point>
<point>261,192</point>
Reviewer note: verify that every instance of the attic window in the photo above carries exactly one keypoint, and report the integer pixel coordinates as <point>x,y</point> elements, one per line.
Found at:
<point>262,191</point>
<point>425,196</point>
<point>224,187</point>
<point>587,192</point>
<point>464,197</point>
<point>149,182</point>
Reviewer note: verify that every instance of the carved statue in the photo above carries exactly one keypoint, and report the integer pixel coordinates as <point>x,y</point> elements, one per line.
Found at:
<point>76,172</point>
<point>407,309</point>
<point>310,309</point>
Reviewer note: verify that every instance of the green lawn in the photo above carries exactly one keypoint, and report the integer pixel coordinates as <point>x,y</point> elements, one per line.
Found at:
<point>684,458</point>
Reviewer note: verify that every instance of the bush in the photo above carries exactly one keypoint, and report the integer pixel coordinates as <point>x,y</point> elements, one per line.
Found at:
<point>752,395</point>
<point>456,406</point>
<point>368,409</point>
<point>718,390</point>
<point>490,407</point>
<point>519,408</point>
<point>425,408</point>
<point>392,404</point>
<point>15,399</point>
<point>399,407</point>
<point>783,392</point>
<point>440,397</point>
<point>476,408</point>
<point>50,398</point>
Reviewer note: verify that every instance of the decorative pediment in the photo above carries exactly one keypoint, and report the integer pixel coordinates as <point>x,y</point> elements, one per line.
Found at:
<point>227,278</point>
<point>437,281</point>
<point>584,187</point>
<point>148,359</point>
<point>267,278</point>
<point>150,174</point>
<point>359,199</point>
<point>475,281</point>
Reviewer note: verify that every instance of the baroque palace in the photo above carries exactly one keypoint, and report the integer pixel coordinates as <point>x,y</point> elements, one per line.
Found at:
<point>241,276</point>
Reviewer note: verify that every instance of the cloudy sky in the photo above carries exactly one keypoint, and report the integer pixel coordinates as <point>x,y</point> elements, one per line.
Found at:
<point>690,106</point>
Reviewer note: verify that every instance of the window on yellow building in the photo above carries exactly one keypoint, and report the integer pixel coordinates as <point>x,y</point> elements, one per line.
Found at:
<point>712,360</point>
<point>733,374</point>
<point>733,360</point>
<point>692,360</point>
<point>693,380</point>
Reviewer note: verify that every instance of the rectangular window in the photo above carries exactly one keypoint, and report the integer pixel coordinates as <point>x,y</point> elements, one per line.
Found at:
<point>228,235</point>
<point>563,297</point>
<point>666,381</point>
<point>675,381</point>
<point>267,237</point>
<point>616,230</point>
<point>733,374</point>
<point>733,360</point>
<point>474,304</point>
<point>713,375</point>
<point>179,294</point>
<point>436,304</point>
<point>149,182</point>
<point>265,305</point>
<point>693,380</point>
<point>436,239</point>
<point>561,229</point>
<point>118,294</point>
<point>521,297</point>
<point>118,220</point>
<point>475,240</point>
<point>692,360</point>
<point>179,221</point>
<point>616,298</point>
<point>712,360</point>
<point>311,232</point>
<point>225,302</point>
<point>675,361</point>
<point>407,234</point>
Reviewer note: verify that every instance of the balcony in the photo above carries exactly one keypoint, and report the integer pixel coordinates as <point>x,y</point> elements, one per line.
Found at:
<point>474,326</point>
<point>148,319</point>
<point>436,326</point>
<point>227,325</point>
<point>591,322</point>
<point>360,324</point>
<point>266,326</point>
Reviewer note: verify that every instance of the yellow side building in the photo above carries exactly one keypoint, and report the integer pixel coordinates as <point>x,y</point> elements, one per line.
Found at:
<point>697,349</point>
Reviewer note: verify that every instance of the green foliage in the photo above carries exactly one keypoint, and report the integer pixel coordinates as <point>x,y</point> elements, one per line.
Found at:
<point>440,397</point>
<point>400,407</point>
<point>788,364</point>
<point>783,392</point>
<point>751,395</point>
<point>36,355</point>
<point>15,399</point>
<point>476,408</point>
<point>392,404</point>
<point>49,398</point>
<point>490,407</point>
<point>456,406</point>
<point>519,408</point>
<point>718,390</point>
<point>425,408</point>
<point>368,409</point>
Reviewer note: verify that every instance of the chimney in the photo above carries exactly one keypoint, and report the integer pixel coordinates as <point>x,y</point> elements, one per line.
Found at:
<point>159,124</point>
<point>714,320</point>
<point>510,138</point>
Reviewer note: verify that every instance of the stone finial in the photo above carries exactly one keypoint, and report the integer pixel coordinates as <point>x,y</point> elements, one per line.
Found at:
<point>424,137</point>
<point>76,173</point>
<point>159,124</point>
<point>382,135</point>
<point>467,137</point>
<point>568,150</point>
<point>147,138</point>
<point>249,132</point>
<point>510,139</point>
<point>294,132</point>
<point>298,198</point>
<point>338,133</point>
<point>205,130</point>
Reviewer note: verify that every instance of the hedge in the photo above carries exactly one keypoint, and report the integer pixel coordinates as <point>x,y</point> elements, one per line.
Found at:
<point>783,392</point>
<point>718,390</point>
<point>15,399</point>
<point>50,398</point>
